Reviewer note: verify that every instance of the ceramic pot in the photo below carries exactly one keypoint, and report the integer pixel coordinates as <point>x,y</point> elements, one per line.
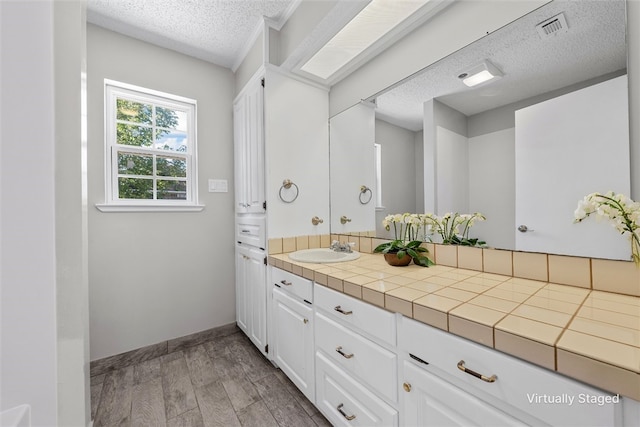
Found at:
<point>392,259</point>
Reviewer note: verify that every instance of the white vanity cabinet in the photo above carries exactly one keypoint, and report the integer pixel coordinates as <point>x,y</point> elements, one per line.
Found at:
<point>249,170</point>
<point>356,361</point>
<point>292,329</point>
<point>496,389</point>
<point>249,153</point>
<point>631,412</point>
<point>344,401</point>
<point>432,401</point>
<point>273,127</point>
<point>251,294</point>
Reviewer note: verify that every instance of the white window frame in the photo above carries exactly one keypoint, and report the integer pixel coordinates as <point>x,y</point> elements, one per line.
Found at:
<point>115,90</point>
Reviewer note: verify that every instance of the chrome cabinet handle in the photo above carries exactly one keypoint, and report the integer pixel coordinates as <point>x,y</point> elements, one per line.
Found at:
<point>340,310</point>
<point>245,231</point>
<point>344,414</point>
<point>466,370</point>
<point>523,229</point>
<point>284,282</point>
<point>343,354</point>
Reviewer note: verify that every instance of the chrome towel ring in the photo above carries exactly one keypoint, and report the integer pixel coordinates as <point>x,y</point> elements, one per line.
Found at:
<point>363,195</point>
<point>286,185</point>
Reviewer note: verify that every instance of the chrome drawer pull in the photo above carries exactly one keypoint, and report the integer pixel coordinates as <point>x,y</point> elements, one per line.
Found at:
<point>284,282</point>
<point>340,310</point>
<point>343,354</point>
<point>490,379</point>
<point>347,417</point>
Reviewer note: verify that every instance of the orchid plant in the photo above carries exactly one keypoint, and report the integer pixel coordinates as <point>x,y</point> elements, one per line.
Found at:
<point>406,242</point>
<point>450,224</point>
<point>623,213</point>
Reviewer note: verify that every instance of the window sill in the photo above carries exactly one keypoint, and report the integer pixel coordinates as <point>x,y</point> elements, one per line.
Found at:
<point>149,208</point>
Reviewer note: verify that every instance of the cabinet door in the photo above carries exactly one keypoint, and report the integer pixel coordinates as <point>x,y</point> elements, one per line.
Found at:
<point>248,128</point>
<point>369,362</point>
<point>293,340</point>
<point>256,288</point>
<point>346,402</point>
<point>239,143</point>
<point>251,295</point>
<point>431,401</point>
<point>242,301</point>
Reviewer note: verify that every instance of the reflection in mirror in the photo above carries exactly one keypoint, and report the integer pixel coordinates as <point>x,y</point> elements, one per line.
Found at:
<point>352,166</point>
<point>457,145</point>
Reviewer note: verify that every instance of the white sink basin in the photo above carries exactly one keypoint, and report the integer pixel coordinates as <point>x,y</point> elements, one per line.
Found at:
<point>323,255</point>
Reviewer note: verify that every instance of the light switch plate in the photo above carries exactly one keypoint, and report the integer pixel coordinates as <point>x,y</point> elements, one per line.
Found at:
<point>218,186</point>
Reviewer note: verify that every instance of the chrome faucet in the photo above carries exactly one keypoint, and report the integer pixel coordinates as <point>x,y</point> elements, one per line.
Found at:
<point>342,247</point>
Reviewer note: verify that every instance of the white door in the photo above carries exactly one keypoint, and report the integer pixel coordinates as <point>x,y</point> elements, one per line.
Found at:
<point>242,301</point>
<point>293,340</point>
<point>566,148</point>
<point>431,401</point>
<point>257,295</point>
<point>248,128</point>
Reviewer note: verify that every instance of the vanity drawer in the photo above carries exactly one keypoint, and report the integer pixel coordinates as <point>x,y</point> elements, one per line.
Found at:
<point>374,365</point>
<point>345,402</point>
<point>518,384</point>
<point>295,285</point>
<point>250,230</point>
<point>378,323</point>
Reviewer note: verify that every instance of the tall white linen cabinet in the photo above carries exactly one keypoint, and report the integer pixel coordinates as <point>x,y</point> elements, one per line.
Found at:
<point>280,133</point>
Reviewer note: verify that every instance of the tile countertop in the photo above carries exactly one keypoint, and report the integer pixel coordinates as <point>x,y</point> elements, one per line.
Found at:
<point>589,335</point>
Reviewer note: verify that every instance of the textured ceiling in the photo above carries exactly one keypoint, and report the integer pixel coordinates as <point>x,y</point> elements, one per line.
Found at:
<point>593,46</point>
<point>213,30</point>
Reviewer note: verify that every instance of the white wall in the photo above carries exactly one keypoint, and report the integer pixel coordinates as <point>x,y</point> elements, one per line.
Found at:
<point>27,215</point>
<point>297,148</point>
<point>438,116</point>
<point>250,64</point>
<point>452,172</point>
<point>633,75</point>
<point>398,168</point>
<point>419,167</point>
<point>157,276</point>
<point>43,321</point>
<point>72,291</point>
<point>402,184</point>
<point>492,187</point>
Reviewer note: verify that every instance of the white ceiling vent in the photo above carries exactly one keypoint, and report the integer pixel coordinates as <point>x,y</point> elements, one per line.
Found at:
<point>553,26</point>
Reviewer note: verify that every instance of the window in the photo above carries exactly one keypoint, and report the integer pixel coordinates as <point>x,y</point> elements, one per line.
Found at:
<point>150,156</point>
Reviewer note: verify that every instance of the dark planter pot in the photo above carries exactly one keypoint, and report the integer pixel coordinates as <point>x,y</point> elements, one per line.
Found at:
<point>392,259</point>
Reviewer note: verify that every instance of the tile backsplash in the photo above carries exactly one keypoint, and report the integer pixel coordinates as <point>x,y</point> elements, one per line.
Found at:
<point>622,277</point>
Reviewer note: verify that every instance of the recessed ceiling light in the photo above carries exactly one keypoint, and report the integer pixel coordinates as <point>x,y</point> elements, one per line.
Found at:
<point>480,73</point>
<point>370,25</point>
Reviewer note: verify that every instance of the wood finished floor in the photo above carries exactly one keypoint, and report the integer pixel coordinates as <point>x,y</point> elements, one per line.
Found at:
<point>226,382</point>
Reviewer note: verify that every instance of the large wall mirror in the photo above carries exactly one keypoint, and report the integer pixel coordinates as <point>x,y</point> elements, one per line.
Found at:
<point>556,120</point>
